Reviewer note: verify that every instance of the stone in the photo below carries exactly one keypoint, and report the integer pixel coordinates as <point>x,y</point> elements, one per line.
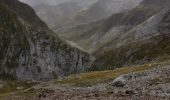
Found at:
<point>129,92</point>
<point>119,82</point>
<point>1,86</point>
<point>20,88</point>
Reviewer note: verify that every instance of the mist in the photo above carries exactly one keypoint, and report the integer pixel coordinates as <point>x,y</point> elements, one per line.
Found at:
<point>56,2</point>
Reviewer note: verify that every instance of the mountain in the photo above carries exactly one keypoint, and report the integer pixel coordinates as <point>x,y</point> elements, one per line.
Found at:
<point>125,38</point>
<point>91,35</point>
<point>146,40</point>
<point>57,15</point>
<point>102,9</point>
<point>29,50</point>
<point>132,50</point>
<point>75,12</point>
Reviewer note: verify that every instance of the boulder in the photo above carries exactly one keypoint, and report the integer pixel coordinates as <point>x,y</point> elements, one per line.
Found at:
<point>119,82</point>
<point>1,86</point>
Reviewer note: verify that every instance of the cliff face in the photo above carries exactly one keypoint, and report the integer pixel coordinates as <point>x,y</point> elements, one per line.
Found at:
<point>29,50</point>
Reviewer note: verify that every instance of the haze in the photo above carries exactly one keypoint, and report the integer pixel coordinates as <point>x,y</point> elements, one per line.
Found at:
<point>56,2</point>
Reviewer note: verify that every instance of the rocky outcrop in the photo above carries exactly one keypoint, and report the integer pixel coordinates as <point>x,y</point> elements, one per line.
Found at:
<point>153,82</point>
<point>29,50</point>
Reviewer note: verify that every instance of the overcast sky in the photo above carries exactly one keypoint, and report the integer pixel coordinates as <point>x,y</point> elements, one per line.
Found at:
<point>35,2</point>
<point>83,3</point>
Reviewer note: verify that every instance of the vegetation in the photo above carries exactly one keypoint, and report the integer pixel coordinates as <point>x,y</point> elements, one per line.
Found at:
<point>159,80</point>
<point>8,86</point>
<point>90,78</point>
<point>135,53</point>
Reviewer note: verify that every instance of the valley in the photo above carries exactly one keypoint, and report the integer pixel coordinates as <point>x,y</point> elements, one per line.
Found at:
<point>85,50</point>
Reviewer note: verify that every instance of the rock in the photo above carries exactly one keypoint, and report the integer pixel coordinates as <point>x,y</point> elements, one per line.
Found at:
<point>129,92</point>
<point>34,51</point>
<point>119,82</point>
<point>96,95</point>
<point>110,92</point>
<point>1,86</point>
<point>20,88</point>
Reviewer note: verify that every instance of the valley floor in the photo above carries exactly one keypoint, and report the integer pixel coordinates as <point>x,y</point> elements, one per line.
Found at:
<point>144,82</point>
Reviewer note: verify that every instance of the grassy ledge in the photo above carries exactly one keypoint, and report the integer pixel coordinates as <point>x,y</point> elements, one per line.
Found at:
<point>91,78</point>
<point>8,87</point>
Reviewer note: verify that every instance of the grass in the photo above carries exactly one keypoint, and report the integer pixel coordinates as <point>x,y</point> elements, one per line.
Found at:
<point>86,79</point>
<point>12,86</point>
<point>134,53</point>
<point>83,79</point>
<point>159,80</point>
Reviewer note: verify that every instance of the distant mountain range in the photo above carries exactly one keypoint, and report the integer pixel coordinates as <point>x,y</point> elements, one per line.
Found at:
<point>126,37</point>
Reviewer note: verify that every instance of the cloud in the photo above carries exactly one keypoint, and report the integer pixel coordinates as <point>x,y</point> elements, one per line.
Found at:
<point>51,2</point>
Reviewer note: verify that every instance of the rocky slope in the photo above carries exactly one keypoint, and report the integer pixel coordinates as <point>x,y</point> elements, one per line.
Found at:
<point>92,35</point>
<point>30,51</point>
<point>102,9</point>
<point>146,42</point>
<point>136,33</point>
<point>75,12</point>
<point>148,82</point>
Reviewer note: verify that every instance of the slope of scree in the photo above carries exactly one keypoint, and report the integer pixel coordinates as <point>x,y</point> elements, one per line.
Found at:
<point>150,42</point>
<point>30,51</point>
<point>96,36</point>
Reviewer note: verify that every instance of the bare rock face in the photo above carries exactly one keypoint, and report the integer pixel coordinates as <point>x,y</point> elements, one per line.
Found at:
<point>30,51</point>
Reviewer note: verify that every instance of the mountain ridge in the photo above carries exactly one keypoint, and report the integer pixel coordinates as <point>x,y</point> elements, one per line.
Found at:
<point>31,51</point>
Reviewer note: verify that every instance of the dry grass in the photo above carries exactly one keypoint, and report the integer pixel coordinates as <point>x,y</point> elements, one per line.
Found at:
<point>90,78</point>
<point>10,87</point>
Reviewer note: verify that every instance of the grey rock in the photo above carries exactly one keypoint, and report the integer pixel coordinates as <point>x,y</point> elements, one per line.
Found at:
<point>119,82</point>
<point>34,52</point>
<point>1,86</point>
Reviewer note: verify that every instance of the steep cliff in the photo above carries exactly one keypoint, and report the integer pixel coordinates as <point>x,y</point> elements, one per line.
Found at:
<point>30,51</point>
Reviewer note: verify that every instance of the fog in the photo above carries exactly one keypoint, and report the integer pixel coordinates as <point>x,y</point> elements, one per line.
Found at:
<point>56,2</point>
<point>51,2</point>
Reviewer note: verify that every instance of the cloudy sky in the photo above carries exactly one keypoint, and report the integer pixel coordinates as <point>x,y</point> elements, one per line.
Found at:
<point>35,2</point>
<point>83,3</point>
